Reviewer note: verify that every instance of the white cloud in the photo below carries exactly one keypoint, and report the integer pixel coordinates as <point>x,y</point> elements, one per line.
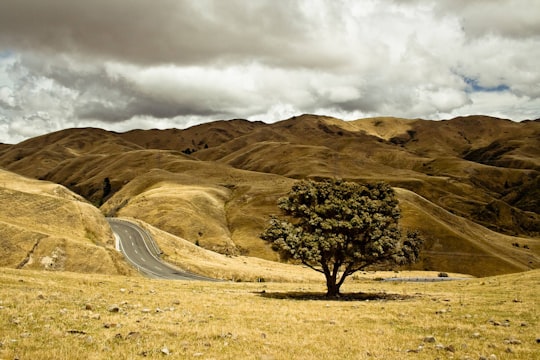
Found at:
<point>122,64</point>
<point>7,98</point>
<point>498,104</point>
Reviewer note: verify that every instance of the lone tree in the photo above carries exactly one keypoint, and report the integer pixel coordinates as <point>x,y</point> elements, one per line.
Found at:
<point>340,227</point>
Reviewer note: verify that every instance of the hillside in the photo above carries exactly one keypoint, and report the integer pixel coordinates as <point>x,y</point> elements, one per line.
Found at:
<point>470,184</point>
<point>45,226</point>
<point>454,242</point>
<point>37,156</point>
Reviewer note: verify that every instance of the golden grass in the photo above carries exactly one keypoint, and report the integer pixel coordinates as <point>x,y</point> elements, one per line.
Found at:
<point>218,207</point>
<point>69,316</point>
<point>188,256</point>
<point>383,127</point>
<point>450,238</point>
<point>229,213</point>
<point>45,226</point>
<point>193,212</point>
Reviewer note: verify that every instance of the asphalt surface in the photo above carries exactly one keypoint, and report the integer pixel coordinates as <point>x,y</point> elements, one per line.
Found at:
<point>424,279</point>
<point>141,251</point>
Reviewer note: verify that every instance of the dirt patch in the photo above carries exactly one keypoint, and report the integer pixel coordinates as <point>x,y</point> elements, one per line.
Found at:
<point>56,261</point>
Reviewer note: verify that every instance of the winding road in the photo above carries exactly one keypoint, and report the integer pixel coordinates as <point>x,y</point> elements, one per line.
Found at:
<point>141,251</point>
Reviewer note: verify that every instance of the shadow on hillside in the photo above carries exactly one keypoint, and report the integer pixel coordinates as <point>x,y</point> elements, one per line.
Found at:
<point>297,295</point>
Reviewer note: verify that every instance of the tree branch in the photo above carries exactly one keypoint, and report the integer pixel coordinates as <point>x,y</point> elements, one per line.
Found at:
<point>349,270</point>
<point>312,267</point>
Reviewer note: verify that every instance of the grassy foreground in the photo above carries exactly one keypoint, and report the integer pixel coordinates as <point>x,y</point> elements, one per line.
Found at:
<point>45,315</point>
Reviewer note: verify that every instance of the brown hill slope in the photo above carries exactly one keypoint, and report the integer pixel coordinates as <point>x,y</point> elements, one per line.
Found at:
<point>194,138</point>
<point>427,157</point>
<point>209,198</point>
<point>454,242</point>
<point>37,156</point>
<point>228,217</point>
<point>215,206</point>
<point>45,226</point>
<point>227,212</point>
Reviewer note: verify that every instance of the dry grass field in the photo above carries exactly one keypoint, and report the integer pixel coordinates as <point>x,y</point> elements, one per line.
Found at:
<point>46,315</point>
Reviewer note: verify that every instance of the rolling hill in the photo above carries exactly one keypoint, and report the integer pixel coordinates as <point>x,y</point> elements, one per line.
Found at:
<point>470,184</point>
<point>45,226</point>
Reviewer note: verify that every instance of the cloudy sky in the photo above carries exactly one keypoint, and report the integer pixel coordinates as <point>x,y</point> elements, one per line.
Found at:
<point>124,64</point>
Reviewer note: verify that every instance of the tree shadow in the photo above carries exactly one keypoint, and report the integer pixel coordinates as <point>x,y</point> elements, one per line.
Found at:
<point>360,296</point>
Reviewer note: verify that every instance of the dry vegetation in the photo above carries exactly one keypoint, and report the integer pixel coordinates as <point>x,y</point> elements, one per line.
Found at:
<point>448,239</point>
<point>65,315</point>
<point>45,226</point>
<point>471,184</point>
<point>188,256</point>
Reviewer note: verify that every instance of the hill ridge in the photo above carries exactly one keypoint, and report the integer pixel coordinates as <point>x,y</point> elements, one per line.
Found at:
<point>480,168</point>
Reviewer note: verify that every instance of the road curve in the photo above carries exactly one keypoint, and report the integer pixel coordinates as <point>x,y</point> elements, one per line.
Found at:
<point>140,250</point>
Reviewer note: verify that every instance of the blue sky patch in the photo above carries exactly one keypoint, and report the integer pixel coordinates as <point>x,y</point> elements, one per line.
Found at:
<point>474,86</point>
<point>5,54</point>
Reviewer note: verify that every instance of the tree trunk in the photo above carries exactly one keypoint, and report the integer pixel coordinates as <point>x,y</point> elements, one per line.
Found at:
<point>332,287</point>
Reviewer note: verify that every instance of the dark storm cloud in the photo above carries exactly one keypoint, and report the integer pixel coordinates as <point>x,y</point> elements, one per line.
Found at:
<point>166,31</point>
<point>106,112</point>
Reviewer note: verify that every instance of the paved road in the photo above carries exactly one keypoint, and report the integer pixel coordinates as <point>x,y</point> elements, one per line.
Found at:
<point>425,279</point>
<point>141,251</point>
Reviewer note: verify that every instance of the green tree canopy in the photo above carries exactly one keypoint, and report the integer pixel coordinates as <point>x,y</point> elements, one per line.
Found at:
<point>338,228</point>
